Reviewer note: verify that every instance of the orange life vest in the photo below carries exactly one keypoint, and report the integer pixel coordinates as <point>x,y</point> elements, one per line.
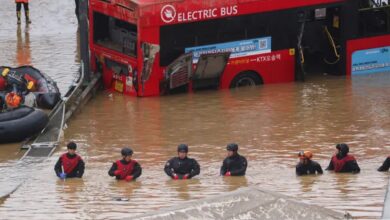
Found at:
<point>21,1</point>
<point>13,100</point>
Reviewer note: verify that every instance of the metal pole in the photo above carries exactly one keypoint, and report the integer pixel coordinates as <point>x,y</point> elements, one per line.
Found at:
<point>84,39</point>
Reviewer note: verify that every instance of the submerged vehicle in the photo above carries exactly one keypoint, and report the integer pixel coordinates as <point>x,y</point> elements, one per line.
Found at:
<point>151,47</point>
<point>29,79</point>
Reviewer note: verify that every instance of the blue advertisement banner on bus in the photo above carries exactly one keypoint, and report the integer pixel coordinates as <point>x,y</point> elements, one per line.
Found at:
<point>237,48</point>
<point>374,60</point>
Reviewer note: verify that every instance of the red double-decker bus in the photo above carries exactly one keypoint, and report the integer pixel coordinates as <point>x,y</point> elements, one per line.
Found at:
<point>151,47</point>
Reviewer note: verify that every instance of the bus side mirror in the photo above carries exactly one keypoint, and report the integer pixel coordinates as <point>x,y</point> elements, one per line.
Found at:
<point>149,52</point>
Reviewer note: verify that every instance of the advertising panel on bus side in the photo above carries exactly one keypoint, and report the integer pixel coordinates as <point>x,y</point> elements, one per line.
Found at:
<point>368,61</point>
<point>237,49</point>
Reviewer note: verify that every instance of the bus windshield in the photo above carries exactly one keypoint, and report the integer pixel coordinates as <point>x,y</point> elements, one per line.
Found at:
<point>115,34</point>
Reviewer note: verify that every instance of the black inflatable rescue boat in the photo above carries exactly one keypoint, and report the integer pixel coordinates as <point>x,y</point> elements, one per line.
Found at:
<point>18,124</point>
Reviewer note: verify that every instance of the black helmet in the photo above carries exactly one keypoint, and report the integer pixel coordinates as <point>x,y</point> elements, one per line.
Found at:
<point>343,148</point>
<point>126,151</point>
<point>72,145</point>
<point>232,147</point>
<point>182,148</point>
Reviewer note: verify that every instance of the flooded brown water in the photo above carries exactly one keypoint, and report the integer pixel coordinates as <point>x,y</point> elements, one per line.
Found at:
<point>270,123</point>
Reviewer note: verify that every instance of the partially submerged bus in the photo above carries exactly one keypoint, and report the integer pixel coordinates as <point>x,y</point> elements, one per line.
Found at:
<point>154,47</point>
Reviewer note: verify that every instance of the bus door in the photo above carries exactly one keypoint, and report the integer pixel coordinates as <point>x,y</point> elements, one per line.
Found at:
<point>318,41</point>
<point>180,76</point>
<point>209,69</point>
<point>177,74</point>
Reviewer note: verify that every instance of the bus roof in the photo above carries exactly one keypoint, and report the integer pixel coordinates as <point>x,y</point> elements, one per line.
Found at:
<point>151,2</point>
<point>164,12</point>
<point>157,2</point>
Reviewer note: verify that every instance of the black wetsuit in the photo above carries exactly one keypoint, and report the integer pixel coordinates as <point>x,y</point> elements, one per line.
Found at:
<point>136,172</point>
<point>311,167</point>
<point>385,166</point>
<point>182,167</point>
<point>78,171</point>
<point>235,164</point>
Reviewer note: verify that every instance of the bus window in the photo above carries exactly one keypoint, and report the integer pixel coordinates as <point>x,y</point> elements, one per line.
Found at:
<point>374,21</point>
<point>115,34</point>
<point>227,30</point>
<point>232,29</point>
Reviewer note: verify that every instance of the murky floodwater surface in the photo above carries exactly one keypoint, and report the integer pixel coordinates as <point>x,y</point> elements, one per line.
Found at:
<point>270,123</point>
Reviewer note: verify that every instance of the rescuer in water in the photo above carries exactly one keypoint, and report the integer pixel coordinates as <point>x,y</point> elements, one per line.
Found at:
<point>126,169</point>
<point>234,164</point>
<point>385,166</point>
<point>307,166</point>
<point>343,162</point>
<point>70,164</point>
<point>19,10</point>
<point>182,167</point>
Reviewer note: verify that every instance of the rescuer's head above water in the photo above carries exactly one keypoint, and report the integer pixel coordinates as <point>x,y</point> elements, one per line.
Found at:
<point>72,146</point>
<point>182,150</point>
<point>232,149</point>
<point>305,156</point>
<point>127,153</point>
<point>342,150</point>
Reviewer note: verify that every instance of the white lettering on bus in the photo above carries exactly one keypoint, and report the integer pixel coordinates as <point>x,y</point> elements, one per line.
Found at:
<point>197,15</point>
<point>227,11</point>
<point>206,14</point>
<point>267,58</point>
<point>168,13</point>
